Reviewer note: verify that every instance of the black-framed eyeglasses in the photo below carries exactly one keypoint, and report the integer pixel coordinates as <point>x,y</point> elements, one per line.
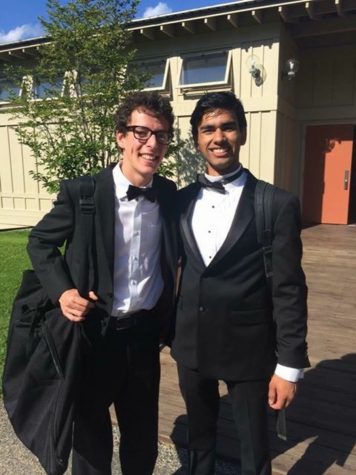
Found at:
<point>144,133</point>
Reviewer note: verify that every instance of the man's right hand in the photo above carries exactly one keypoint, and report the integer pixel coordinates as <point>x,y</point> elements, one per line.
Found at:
<point>74,307</point>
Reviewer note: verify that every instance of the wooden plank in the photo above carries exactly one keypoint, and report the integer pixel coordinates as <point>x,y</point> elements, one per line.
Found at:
<point>322,420</point>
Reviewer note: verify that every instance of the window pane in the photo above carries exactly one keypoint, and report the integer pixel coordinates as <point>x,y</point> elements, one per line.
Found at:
<point>45,88</point>
<point>156,70</point>
<point>204,69</point>
<point>6,88</point>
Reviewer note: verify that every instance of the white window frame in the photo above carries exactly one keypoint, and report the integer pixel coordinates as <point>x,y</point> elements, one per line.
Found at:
<point>163,86</point>
<point>70,81</point>
<point>27,86</point>
<point>201,85</point>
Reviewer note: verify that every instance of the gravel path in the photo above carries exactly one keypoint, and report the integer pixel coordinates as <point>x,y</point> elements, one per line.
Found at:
<point>15,459</point>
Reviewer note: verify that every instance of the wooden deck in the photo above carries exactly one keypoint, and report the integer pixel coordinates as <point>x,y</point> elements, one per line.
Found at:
<point>322,421</point>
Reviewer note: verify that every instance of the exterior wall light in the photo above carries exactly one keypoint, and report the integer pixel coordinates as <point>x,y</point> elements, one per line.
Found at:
<point>256,73</point>
<point>256,70</point>
<point>291,68</point>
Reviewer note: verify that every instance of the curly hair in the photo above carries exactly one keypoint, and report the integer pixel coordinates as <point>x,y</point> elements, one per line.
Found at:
<point>152,102</point>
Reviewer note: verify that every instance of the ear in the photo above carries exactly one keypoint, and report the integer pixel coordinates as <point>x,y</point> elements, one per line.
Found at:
<point>120,140</point>
<point>243,136</point>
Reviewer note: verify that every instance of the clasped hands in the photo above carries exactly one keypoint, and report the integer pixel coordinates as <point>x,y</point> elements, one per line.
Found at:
<point>74,307</point>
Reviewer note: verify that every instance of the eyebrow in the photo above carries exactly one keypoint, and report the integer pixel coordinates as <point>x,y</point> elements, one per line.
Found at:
<point>232,124</point>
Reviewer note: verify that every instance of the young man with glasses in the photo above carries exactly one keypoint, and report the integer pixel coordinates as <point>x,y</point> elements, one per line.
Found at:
<point>132,290</point>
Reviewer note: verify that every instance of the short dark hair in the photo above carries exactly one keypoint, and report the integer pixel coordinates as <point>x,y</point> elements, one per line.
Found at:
<point>217,100</point>
<point>151,102</point>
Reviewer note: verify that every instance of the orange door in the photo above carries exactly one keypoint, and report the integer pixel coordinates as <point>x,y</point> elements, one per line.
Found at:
<point>327,173</point>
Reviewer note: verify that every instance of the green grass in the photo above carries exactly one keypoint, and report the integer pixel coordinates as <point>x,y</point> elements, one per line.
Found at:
<point>13,260</point>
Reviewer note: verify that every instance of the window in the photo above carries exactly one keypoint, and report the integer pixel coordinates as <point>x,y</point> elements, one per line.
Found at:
<point>209,68</point>
<point>158,72</point>
<point>7,88</point>
<point>33,88</point>
<point>45,89</point>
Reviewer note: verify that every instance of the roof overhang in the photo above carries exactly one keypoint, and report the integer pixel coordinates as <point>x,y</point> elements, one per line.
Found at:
<point>22,50</point>
<point>303,18</point>
<point>332,21</point>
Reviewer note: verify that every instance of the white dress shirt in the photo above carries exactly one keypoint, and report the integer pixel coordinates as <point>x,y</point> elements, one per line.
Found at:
<point>211,221</point>
<point>138,281</point>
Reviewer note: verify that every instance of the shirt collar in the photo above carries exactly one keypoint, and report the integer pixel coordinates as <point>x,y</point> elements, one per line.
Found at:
<point>218,178</point>
<point>122,183</point>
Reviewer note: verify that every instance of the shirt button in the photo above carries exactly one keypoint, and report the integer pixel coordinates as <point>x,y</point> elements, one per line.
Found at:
<point>209,231</point>
<point>201,309</point>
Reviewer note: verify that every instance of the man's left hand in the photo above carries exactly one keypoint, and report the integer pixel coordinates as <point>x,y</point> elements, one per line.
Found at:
<point>281,392</point>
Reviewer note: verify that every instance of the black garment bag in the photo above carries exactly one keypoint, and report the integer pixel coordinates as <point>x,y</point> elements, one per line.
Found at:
<point>43,359</point>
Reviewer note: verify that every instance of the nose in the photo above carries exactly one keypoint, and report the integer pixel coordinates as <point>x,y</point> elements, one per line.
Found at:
<point>219,135</point>
<point>152,141</point>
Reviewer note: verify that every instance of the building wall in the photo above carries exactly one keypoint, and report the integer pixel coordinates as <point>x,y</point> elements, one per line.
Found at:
<point>327,85</point>
<point>323,92</point>
<point>287,152</point>
<point>22,201</point>
<point>278,111</point>
<point>260,102</point>
<point>326,91</point>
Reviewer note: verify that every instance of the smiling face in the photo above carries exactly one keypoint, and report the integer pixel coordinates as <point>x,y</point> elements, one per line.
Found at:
<point>141,158</point>
<point>219,139</point>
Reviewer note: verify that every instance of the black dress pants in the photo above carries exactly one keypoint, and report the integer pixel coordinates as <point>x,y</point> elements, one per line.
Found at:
<point>249,406</point>
<point>122,368</point>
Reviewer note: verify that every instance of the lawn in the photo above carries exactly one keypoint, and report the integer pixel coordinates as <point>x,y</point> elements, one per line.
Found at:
<point>13,260</point>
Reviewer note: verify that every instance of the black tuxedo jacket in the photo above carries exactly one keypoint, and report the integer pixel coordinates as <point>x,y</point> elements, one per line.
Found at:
<point>229,324</point>
<point>58,272</point>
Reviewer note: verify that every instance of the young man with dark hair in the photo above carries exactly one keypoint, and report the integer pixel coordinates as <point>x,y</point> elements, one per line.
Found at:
<point>132,288</point>
<point>230,324</point>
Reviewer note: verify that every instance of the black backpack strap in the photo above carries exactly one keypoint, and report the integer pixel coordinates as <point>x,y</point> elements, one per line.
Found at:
<point>264,223</point>
<point>86,193</point>
<point>86,226</point>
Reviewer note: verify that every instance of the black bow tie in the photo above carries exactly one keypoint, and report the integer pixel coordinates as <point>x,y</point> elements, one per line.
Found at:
<point>218,185</point>
<point>134,191</point>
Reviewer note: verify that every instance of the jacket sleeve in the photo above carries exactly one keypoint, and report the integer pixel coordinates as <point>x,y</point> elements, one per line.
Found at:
<point>45,241</point>
<point>289,286</point>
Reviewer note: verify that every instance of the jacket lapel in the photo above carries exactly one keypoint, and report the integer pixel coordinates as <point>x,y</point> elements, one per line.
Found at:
<point>187,204</point>
<point>105,216</point>
<point>243,216</point>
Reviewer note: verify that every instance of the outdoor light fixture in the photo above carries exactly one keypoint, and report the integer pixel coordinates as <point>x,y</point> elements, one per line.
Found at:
<point>256,70</point>
<point>256,74</point>
<point>291,68</point>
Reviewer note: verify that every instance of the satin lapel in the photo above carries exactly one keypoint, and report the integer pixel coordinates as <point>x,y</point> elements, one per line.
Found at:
<point>243,216</point>
<point>187,207</point>
<point>105,206</point>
